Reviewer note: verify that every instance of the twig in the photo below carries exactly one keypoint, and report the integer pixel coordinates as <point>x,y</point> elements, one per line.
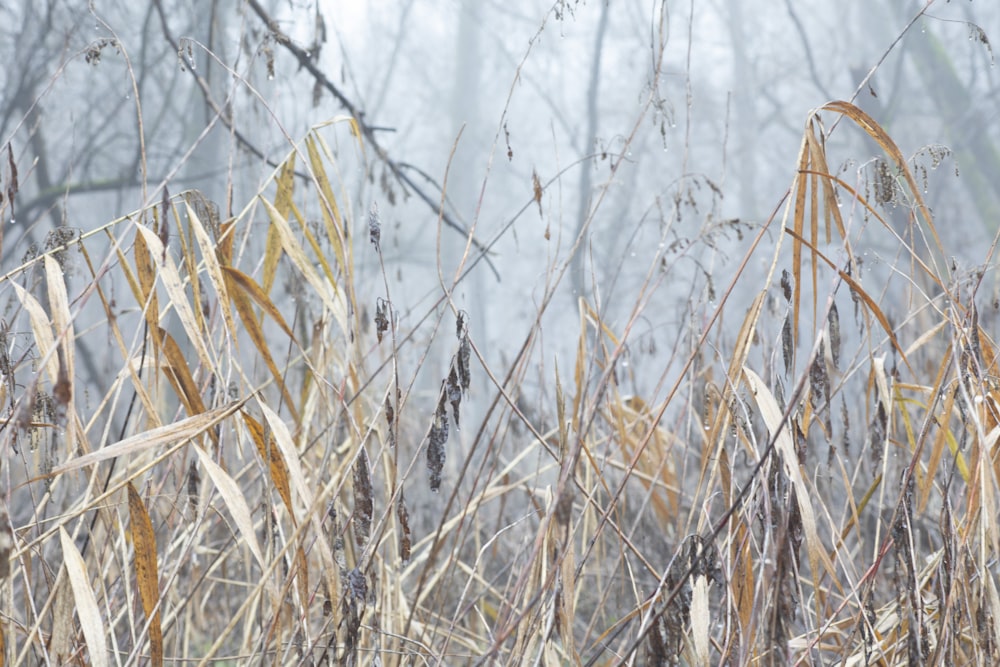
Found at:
<point>306,62</point>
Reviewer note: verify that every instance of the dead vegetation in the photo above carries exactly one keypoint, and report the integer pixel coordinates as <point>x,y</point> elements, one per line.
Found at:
<point>252,486</point>
<point>210,453</point>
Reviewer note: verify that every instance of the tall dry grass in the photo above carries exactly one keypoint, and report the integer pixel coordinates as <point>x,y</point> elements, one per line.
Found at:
<point>210,454</point>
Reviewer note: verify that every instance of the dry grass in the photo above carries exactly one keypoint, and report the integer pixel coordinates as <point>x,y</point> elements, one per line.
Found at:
<point>816,483</point>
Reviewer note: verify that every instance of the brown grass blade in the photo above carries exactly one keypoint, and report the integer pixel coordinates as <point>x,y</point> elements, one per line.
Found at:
<point>283,205</point>
<point>253,329</point>
<point>147,571</point>
<point>856,287</point>
<point>276,464</point>
<point>179,375</point>
<point>238,279</point>
<point>830,206</point>
<point>286,444</point>
<point>876,132</point>
<point>798,224</point>
<point>146,274</point>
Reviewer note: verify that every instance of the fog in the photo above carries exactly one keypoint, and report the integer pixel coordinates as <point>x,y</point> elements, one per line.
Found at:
<point>582,183</point>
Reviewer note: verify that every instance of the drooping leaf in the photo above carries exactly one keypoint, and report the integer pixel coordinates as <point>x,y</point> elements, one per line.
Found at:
<point>158,438</point>
<point>269,452</point>
<point>256,333</point>
<point>236,278</point>
<point>87,609</point>
<point>235,501</point>
<point>147,571</point>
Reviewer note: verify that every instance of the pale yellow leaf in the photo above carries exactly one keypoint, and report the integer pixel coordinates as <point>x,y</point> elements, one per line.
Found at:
<point>42,330</point>
<point>166,435</point>
<point>700,620</point>
<point>785,447</point>
<point>283,438</point>
<point>171,278</point>
<point>207,246</point>
<point>235,501</point>
<point>62,321</point>
<point>86,602</point>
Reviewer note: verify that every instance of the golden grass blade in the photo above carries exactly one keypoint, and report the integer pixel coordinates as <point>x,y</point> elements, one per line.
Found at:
<point>289,453</point>
<point>811,179</point>
<point>146,274</point>
<point>283,205</point>
<point>741,350</point>
<point>830,207</point>
<point>224,244</point>
<point>283,438</point>
<point>167,271</point>
<point>328,203</point>
<point>334,302</point>
<point>86,602</point>
<point>237,279</point>
<point>276,464</point>
<point>568,600</point>
<point>580,369</point>
<point>147,571</point>
<point>188,262</point>
<point>253,329</point>
<point>800,186</point>
<point>743,576</point>
<point>169,434</point>
<point>179,375</point>
<point>856,287</point>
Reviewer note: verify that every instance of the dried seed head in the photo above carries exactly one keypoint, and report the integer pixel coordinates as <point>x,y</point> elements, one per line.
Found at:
<point>363,499</point>
<point>6,543</point>
<point>403,515</point>
<point>435,443</point>
<point>374,227</point>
